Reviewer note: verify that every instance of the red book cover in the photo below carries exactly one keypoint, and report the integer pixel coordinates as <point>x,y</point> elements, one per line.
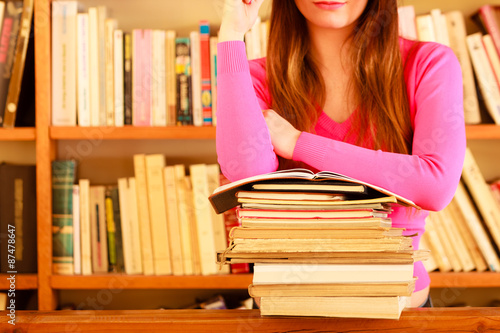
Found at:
<point>206,84</point>
<point>230,221</point>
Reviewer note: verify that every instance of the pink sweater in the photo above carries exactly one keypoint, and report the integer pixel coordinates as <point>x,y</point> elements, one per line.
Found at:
<point>428,177</point>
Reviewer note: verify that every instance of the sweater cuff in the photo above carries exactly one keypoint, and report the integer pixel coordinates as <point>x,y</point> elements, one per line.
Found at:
<point>231,57</point>
<point>311,149</point>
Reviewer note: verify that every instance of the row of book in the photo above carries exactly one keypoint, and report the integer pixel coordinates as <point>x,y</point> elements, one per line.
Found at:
<point>17,92</point>
<point>104,76</point>
<point>157,222</point>
<point>478,53</point>
<point>465,235</point>
<point>322,245</point>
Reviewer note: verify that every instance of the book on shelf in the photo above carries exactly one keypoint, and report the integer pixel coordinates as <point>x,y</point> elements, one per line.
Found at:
<point>213,77</point>
<point>110,25</point>
<point>158,82</point>
<point>111,231</point>
<point>447,242</point>
<point>206,83</point>
<point>406,22</point>
<point>436,246</point>
<point>195,100</point>
<point>18,218</point>
<point>83,69</point>
<point>63,177</point>
<point>171,77</point>
<point>85,233</point>
<point>118,78</point>
<point>127,78</point>
<point>457,34</point>
<point>18,64</point>
<point>98,229</point>
<point>183,81</point>
<point>486,18</point>
<point>77,255</point>
<point>120,263</point>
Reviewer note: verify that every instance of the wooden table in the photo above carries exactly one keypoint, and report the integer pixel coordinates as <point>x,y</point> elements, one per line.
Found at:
<point>243,321</point>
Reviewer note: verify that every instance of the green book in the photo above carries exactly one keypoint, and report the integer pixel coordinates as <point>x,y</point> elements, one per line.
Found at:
<point>111,231</point>
<point>63,177</point>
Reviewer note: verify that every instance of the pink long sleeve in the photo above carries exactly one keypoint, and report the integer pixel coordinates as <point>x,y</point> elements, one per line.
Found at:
<point>428,177</point>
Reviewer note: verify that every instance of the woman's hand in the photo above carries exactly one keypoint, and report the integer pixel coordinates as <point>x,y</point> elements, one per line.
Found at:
<point>283,135</point>
<point>237,18</point>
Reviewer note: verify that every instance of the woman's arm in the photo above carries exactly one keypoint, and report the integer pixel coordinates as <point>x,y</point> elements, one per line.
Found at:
<point>430,175</point>
<point>243,141</point>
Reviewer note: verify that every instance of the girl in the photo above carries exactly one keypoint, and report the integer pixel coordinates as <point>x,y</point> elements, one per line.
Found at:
<point>340,91</point>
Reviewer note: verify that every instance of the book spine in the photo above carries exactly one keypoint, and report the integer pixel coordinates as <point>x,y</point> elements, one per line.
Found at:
<point>406,22</point>
<point>110,27</point>
<point>94,68</point>
<point>202,211</point>
<point>63,56</point>
<point>206,83</point>
<point>111,231</point>
<point>179,184</point>
<point>98,229</point>
<point>457,34</point>
<point>183,82</point>
<point>145,118</point>
<point>63,174</point>
<point>135,242</point>
<point>118,78</point>
<point>197,111</point>
<point>77,256</point>
<point>83,68</point>
<point>120,263</point>
<point>425,28</point>
<point>488,17</point>
<point>144,214</point>
<point>167,257</point>
<point>213,77</point>
<point>171,78</point>
<point>159,79</point>
<point>101,47</point>
<point>85,238</point>
<point>21,49</point>
<point>195,243</point>
<point>127,77</point>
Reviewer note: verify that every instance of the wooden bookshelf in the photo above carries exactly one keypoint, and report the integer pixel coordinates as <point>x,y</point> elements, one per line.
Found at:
<point>17,134</point>
<point>47,139</point>
<point>483,132</point>
<point>228,281</point>
<point>412,320</point>
<point>132,133</point>
<point>23,281</point>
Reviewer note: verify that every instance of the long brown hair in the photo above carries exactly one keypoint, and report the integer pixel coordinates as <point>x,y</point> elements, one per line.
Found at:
<point>298,91</point>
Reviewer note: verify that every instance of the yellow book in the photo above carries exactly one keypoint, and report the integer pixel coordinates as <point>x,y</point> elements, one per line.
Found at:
<point>145,232</point>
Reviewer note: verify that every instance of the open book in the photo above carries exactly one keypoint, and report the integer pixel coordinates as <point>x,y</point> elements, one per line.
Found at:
<point>301,180</point>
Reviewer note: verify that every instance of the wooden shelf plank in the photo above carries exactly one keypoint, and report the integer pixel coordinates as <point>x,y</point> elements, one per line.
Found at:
<point>412,320</point>
<point>17,134</point>
<point>483,132</point>
<point>132,133</point>
<point>122,281</point>
<point>23,281</point>
<point>465,280</point>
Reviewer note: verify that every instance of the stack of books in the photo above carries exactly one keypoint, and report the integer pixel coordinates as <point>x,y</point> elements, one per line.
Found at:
<point>322,245</point>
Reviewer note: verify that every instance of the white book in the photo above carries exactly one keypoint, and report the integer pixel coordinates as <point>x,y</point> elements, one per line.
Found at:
<point>457,33</point>
<point>159,106</point>
<point>171,81</point>
<point>131,255</point>
<point>425,28</point>
<point>77,255</point>
<point>440,27</point>
<point>101,45</point>
<point>406,22</point>
<point>330,273</point>
<point>110,27</point>
<point>85,236</point>
<point>213,77</point>
<point>165,257</point>
<point>64,63</point>
<point>178,230</point>
<point>484,73</point>
<point>83,69</point>
<point>493,57</point>
<point>94,68</point>
<point>218,225</point>
<point>185,223</point>
<point>196,78</point>
<point>203,217</point>
<point>145,233</point>
<point>118,78</point>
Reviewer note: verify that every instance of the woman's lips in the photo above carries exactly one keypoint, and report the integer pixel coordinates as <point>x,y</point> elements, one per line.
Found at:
<point>329,5</point>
